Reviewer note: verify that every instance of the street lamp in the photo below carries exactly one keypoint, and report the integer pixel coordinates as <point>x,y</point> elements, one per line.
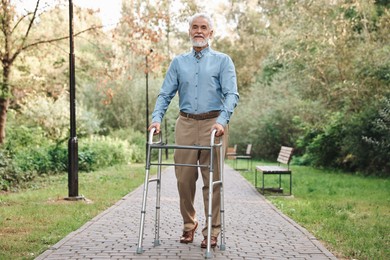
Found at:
<point>147,91</point>
<point>73,182</point>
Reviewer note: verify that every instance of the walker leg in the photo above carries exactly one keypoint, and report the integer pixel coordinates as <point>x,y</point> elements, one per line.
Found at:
<point>144,198</point>
<point>157,219</point>
<point>210,202</point>
<point>221,161</point>
<point>209,217</point>
<point>143,211</point>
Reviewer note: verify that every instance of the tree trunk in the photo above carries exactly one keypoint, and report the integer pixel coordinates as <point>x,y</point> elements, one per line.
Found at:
<point>4,99</point>
<point>4,103</point>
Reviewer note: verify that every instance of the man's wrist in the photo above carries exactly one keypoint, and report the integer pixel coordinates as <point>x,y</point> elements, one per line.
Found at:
<point>221,121</point>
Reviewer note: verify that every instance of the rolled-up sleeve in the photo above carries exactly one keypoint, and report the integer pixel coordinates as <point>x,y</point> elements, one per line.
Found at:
<point>167,92</point>
<point>228,81</point>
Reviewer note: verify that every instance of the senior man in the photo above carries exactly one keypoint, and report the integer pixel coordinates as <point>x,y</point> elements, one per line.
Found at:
<point>206,83</point>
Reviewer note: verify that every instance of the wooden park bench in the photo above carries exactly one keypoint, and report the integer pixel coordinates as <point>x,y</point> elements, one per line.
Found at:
<point>284,157</point>
<point>247,156</point>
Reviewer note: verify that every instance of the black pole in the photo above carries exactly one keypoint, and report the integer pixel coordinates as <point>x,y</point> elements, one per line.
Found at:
<point>73,181</point>
<point>147,92</point>
<point>147,96</point>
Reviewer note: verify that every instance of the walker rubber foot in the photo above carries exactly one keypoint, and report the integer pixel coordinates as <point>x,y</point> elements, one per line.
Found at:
<point>208,255</point>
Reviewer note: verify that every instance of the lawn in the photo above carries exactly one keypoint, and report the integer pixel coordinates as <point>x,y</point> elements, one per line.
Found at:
<point>350,214</point>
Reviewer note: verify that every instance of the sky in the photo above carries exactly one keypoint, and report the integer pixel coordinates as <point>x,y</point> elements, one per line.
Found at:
<point>109,9</point>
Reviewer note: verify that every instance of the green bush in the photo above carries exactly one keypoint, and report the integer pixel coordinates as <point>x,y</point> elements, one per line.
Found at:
<point>359,143</point>
<point>52,115</point>
<point>325,148</point>
<point>11,175</point>
<point>28,153</point>
<point>137,141</point>
<point>377,137</point>
<point>100,151</point>
<point>263,122</point>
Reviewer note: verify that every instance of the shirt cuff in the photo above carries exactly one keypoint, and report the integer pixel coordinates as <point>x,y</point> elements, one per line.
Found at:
<point>222,121</point>
<point>156,120</point>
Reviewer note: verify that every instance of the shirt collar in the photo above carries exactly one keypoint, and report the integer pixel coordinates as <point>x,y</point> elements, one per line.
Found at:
<point>202,52</point>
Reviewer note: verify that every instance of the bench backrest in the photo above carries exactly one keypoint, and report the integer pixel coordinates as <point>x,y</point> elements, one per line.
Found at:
<point>285,155</point>
<point>249,149</point>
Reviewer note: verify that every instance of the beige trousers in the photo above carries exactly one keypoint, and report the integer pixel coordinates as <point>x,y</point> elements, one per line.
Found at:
<point>197,132</point>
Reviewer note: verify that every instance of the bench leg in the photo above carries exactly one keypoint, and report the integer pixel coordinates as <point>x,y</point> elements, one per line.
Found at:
<point>262,188</point>
<point>255,178</point>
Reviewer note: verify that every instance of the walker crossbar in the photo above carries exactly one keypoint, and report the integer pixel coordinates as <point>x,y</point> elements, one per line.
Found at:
<point>182,164</point>
<point>159,146</point>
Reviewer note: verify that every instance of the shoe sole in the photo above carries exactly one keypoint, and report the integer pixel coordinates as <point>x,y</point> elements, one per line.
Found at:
<point>212,246</point>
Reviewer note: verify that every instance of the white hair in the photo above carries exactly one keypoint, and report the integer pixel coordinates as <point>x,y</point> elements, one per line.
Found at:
<point>203,15</point>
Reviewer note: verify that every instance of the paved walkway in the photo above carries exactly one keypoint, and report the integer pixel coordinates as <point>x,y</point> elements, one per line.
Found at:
<point>255,229</point>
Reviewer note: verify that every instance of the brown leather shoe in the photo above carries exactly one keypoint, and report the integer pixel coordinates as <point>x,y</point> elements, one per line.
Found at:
<point>188,236</point>
<point>213,242</point>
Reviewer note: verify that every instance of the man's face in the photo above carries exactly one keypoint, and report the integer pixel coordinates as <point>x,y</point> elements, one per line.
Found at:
<point>200,32</point>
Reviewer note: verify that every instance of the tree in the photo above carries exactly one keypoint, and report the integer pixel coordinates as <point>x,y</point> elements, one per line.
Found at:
<point>16,39</point>
<point>327,66</point>
<point>119,94</point>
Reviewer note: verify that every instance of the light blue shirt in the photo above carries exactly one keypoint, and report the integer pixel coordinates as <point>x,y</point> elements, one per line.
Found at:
<point>204,85</point>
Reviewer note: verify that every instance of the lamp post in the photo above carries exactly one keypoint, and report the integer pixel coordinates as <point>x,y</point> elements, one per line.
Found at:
<point>147,92</point>
<point>73,182</point>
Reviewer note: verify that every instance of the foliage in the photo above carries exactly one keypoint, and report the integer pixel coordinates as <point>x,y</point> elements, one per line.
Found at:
<point>28,153</point>
<point>52,115</point>
<point>247,42</point>
<point>269,120</point>
<point>355,143</point>
<point>377,136</point>
<point>10,175</point>
<point>23,32</point>
<point>137,45</point>
<point>99,152</point>
<point>325,73</point>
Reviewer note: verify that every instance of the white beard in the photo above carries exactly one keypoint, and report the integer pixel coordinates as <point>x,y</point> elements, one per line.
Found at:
<point>202,43</point>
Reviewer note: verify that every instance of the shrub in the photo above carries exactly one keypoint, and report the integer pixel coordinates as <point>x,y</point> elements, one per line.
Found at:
<point>100,151</point>
<point>377,137</point>
<point>10,174</point>
<point>52,115</point>
<point>358,143</point>
<point>264,123</point>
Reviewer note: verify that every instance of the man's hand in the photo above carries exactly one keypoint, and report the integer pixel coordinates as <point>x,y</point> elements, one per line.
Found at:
<point>155,125</point>
<point>220,129</point>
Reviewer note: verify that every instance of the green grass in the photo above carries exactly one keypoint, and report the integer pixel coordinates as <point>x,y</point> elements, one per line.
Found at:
<point>349,214</point>
<point>33,219</point>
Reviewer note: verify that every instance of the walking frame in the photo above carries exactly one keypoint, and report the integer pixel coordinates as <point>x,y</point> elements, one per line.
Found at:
<point>161,146</point>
